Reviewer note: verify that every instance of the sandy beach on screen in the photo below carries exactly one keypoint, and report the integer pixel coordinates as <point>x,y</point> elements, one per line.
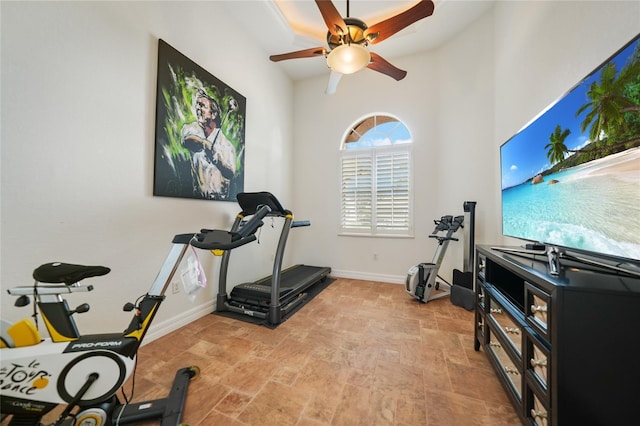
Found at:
<point>624,165</point>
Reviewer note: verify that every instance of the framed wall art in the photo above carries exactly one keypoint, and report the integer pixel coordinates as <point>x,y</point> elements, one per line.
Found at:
<point>200,125</point>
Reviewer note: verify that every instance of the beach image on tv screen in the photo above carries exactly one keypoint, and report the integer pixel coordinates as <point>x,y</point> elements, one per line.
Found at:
<point>572,176</point>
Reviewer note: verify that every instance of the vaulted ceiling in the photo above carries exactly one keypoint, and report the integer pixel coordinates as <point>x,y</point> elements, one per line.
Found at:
<point>281,26</point>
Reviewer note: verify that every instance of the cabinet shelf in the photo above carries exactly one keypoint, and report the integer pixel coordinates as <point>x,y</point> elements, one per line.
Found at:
<point>564,347</point>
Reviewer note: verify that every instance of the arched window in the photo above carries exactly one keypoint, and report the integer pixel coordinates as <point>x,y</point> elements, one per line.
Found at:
<point>376,178</point>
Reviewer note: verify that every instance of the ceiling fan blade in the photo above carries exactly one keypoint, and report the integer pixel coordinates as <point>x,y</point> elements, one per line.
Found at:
<point>332,85</point>
<point>332,17</point>
<point>385,29</point>
<point>307,53</point>
<point>378,63</point>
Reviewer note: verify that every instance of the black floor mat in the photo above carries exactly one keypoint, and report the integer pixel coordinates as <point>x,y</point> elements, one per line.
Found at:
<point>312,292</point>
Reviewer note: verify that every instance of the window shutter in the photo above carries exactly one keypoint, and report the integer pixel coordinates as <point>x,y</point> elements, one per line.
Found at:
<point>392,191</point>
<point>357,186</point>
<point>376,179</point>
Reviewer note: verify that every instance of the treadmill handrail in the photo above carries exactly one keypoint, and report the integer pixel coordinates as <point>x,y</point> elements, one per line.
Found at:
<point>209,240</point>
<point>215,239</point>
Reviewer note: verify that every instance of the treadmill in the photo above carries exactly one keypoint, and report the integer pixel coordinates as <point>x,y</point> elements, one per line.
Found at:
<point>274,297</point>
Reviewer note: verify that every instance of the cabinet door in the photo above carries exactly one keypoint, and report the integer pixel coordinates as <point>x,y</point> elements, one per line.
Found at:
<point>537,310</point>
<point>536,410</point>
<point>507,367</point>
<point>537,361</point>
<point>507,325</point>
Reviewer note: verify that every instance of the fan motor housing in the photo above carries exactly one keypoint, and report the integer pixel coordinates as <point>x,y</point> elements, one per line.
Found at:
<point>355,34</point>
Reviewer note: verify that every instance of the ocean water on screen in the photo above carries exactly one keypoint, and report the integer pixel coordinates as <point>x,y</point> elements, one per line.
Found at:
<point>594,206</point>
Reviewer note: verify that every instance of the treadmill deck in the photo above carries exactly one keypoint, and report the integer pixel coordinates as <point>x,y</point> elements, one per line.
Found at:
<point>293,282</point>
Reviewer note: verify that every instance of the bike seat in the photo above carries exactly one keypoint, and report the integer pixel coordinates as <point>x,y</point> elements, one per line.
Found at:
<point>58,272</point>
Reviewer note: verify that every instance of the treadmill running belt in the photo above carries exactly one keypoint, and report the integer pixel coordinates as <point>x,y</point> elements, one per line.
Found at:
<point>293,281</point>
<point>312,292</point>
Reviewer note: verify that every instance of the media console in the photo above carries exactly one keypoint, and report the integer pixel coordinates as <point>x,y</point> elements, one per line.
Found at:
<point>565,347</point>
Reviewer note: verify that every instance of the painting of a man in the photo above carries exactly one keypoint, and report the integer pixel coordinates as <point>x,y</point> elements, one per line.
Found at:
<point>213,157</point>
<point>199,132</point>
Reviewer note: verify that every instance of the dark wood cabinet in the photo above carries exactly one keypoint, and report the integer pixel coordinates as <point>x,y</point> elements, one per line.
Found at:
<point>567,347</point>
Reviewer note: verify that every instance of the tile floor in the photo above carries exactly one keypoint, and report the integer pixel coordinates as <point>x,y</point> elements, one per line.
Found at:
<point>360,353</point>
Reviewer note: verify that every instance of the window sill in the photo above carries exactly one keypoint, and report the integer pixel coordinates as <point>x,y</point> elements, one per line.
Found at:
<point>356,234</point>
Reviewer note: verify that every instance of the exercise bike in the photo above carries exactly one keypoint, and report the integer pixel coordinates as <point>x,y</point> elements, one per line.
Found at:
<point>422,279</point>
<point>84,372</point>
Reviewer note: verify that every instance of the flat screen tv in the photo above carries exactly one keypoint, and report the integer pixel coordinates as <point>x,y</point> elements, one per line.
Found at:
<point>571,177</point>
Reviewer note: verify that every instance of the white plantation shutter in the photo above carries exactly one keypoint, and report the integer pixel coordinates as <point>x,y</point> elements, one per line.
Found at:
<point>357,186</point>
<point>392,191</point>
<point>376,191</point>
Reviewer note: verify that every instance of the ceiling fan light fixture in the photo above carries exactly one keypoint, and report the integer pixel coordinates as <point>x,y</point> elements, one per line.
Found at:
<point>348,58</point>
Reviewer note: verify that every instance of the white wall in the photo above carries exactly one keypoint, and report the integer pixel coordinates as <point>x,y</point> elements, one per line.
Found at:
<point>543,49</point>
<point>78,120</point>
<point>461,102</point>
<point>436,87</point>
<point>78,101</point>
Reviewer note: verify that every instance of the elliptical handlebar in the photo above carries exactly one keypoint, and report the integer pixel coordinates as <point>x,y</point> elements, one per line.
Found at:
<point>443,224</point>
<point>457,223</point>
<point>447,223</point>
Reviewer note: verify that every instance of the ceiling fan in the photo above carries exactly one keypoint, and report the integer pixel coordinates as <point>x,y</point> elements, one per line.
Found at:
<point>348,38</point>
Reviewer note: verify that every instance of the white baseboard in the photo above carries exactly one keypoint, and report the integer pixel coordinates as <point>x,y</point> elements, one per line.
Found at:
<point>354,275</point>
<point>165,327</point>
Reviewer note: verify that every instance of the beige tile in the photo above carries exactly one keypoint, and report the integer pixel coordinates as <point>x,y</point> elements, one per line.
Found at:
<point>275,404</point>
<point>249,375</point>
<point>360,353</point>
<point>354,406</point>
<point>447,408</point>
<point>233,404</point>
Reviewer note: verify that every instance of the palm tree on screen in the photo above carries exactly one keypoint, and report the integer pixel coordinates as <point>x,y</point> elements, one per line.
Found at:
<point>556,149</point>
<point>608,103</point>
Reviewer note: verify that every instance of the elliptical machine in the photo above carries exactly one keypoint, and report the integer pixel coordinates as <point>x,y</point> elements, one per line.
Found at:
<point>421,279</point>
